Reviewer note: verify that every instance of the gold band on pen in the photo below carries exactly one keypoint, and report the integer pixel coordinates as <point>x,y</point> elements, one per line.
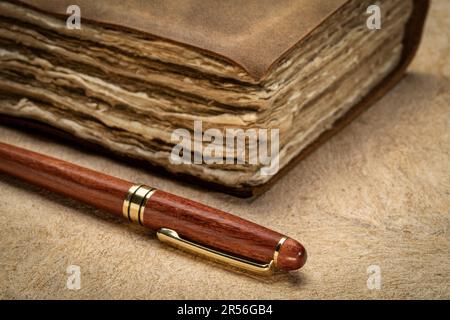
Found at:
<point>277,250</point>
<point>135,202</point>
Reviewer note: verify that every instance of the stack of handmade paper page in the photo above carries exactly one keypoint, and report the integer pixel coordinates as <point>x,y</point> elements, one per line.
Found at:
<point>138,72</point>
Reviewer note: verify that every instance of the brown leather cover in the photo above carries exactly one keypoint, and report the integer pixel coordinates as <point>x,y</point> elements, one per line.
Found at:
<point>254,34</point>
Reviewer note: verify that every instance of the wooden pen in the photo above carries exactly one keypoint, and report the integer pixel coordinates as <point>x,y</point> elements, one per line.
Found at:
<point>178,221</point>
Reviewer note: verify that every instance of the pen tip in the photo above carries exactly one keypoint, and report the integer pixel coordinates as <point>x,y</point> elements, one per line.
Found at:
<point>292,255</point>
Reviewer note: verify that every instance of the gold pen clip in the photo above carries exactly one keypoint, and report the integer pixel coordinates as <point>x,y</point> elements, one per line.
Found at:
<point>171,237</point>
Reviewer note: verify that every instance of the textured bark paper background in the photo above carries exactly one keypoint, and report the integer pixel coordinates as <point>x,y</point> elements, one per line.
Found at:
<point>377,193</point>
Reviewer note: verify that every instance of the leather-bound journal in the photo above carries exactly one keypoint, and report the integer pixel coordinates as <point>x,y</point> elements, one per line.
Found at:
<point>138,78</point>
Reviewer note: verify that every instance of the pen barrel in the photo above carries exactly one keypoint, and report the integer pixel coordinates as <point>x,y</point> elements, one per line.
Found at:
<point>221,230</point>
<point>88,186</point>
<point>154,209</point>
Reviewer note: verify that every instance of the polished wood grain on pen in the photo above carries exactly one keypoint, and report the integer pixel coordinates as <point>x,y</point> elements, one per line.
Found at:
<point>192,220</point>
<point>88,186</point>
<point>218,229</point>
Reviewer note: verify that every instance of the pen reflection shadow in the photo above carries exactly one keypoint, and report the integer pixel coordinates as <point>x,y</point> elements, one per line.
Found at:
<point>119,223</point>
